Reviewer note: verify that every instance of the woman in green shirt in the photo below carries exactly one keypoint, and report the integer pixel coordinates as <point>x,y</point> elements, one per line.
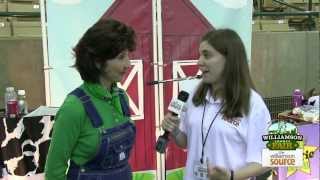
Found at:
<point>93,134</point>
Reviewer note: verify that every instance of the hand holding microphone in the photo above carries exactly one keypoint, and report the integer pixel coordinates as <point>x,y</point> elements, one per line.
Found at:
<point>171,121</point>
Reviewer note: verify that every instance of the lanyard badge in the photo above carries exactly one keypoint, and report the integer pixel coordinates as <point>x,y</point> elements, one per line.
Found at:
<point>204,139</point>
<point>200,171</point>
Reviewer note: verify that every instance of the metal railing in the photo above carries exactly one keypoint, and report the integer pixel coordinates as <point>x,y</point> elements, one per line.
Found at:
<point>20,14</point>
<point>277,105</point>
<point>301,12</point>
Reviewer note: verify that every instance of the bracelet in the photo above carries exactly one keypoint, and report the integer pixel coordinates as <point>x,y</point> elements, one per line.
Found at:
<point>231,174</point>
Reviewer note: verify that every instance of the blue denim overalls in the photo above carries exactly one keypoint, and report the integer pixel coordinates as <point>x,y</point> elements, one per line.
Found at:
<point>111,160</point>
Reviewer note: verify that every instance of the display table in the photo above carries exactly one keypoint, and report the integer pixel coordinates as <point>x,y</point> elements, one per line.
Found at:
<point>286,115</point>
<point>24,145</point>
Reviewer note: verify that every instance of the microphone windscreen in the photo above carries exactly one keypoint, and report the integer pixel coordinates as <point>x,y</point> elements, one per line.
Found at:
<point>183,96</point>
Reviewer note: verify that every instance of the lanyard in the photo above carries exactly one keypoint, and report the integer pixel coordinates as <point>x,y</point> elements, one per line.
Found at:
<point>205,140</point>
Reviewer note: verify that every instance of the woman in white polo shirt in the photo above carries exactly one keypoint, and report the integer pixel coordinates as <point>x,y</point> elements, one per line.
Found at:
<point>224,118</point>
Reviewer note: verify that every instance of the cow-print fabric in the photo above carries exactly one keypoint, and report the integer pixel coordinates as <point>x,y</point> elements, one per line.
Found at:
<point>24,144</point>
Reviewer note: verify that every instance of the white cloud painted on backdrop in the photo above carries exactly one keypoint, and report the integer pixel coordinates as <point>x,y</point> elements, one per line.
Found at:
<point>67,2</point>
<point>234,4</point>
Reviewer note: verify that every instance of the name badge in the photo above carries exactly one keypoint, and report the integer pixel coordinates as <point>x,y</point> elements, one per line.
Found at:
<point>200,171</point>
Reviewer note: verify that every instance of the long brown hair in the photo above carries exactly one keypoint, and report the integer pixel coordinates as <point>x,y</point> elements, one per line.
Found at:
<point>236,76</point>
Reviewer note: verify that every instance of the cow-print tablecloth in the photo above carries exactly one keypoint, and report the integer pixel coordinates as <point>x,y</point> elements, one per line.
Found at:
<point>24,144</point>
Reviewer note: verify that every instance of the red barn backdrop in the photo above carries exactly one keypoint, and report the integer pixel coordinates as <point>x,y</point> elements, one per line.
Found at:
<point>182,28</point>
<point>138,14</point>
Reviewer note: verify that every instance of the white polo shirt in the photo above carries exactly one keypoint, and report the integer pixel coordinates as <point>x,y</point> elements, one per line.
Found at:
<point>228,145</point>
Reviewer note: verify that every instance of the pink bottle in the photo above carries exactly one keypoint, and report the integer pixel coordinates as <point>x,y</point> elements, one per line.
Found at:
<point>11,103</point>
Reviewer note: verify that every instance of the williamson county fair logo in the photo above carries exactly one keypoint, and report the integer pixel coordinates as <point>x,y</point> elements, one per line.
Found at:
<point>283,149</point>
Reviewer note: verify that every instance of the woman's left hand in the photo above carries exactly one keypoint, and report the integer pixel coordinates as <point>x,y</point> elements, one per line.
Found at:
<point>218,173</point>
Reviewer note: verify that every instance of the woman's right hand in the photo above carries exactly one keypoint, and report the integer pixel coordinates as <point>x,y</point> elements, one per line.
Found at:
<point>170,122</point>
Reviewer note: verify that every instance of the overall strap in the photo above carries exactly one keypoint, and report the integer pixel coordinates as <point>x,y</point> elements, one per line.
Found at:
<point>124,103</point>
<point>91,111</point>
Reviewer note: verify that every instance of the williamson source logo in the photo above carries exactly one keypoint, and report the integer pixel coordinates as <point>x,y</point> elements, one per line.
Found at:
<point>283,146</point>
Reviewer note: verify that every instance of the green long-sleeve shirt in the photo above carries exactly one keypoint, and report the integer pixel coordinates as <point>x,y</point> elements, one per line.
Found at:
<point>74,138</point>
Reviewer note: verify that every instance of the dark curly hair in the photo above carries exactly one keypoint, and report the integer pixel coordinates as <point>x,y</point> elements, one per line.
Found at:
<point>101,42</point>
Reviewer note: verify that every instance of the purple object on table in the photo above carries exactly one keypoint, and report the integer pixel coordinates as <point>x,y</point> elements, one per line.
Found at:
<point>297,98</point>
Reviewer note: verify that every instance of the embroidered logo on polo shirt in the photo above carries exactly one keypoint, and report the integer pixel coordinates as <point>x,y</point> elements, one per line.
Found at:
<point>235,121</point>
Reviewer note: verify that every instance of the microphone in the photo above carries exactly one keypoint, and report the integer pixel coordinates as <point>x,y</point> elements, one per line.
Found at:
<point>175,107</point>
<point>177,79</point>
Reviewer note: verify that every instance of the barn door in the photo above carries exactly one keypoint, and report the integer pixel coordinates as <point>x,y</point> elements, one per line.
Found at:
<point>182,27</point>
